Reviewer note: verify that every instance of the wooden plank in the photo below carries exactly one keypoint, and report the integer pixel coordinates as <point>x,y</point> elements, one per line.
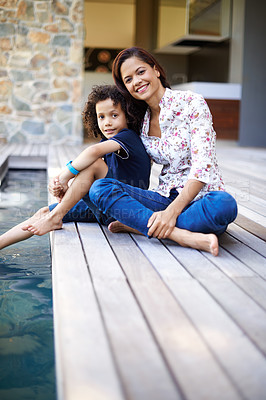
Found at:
<point>247,185</point>
<point>248,162</point>
<point>53,162</point>
<point>141,368</point>
<point>246,237</point>
<point>20,156</point>
<point>73,152</point>
<point>62,155</point>
<point>234,351</point>
<point>3,169</point>
<point>17,149</point>
<point>228,150</point>
<point>230,265</point>
<point>243,253</point>
<point>251,226</point>
<point>243,276</point>
<point>26,150</point>
<point>182,346</point>
<point>27,162</point>
<point>253,216</point>
<point>247,200</point>
<point>243,310</point>
<point>255,287</point>
<point>35,150</point>
<point>5,151</point>
<point>84,365</point>
<point>244,168</point>
<point>43,149</point>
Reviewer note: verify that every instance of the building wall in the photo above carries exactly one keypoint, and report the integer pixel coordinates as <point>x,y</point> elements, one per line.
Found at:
<point>41,70</point>
<point>237,42</point>
<point>209,64</point>
<point>172,24</point>
<point>109,25</point>
<point>253,103</point>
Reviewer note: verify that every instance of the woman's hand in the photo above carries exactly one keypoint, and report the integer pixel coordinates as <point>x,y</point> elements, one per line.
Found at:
<point>162,223</point>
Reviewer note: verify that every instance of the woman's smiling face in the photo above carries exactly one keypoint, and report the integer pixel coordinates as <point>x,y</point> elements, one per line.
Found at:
<point>140,79</point>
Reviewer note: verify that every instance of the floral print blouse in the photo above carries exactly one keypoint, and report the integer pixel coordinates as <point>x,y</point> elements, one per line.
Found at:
<point>186,147</point>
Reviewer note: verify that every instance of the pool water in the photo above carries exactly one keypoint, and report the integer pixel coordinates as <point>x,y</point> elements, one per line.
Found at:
<point>26,315</point>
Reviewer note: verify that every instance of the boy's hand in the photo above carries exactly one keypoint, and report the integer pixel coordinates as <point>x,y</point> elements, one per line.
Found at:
<point>57,188</point>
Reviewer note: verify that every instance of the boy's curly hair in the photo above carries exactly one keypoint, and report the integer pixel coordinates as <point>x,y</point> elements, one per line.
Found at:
<point>104,92</point>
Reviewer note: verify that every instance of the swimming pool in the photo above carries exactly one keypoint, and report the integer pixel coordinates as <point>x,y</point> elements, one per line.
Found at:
<point>26,315</point>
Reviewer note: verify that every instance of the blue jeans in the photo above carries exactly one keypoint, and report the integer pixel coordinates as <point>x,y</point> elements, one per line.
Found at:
<point>84,211</point>
<point>134,206</point>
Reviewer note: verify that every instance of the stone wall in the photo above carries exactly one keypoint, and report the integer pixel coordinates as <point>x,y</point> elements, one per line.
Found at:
<point>41,71</point>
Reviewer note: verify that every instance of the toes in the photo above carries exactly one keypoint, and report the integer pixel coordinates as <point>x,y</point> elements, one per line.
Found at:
<point>32,229</point>
<point>111,226</point>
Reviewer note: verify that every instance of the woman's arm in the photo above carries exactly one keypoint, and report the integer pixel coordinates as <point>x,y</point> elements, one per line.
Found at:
<point>162,223</point>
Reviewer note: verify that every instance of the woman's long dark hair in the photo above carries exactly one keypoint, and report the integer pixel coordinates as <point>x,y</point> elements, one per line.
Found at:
<point>146,57</point>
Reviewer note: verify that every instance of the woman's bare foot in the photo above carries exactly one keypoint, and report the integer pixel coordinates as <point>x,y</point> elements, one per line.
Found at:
<point>207,242</point>
<point>200,241</point>
<point>44,225</point>
<point>116,227</point>
<point>213,244</point>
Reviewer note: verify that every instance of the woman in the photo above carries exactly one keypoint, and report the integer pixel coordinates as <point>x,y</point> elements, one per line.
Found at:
<point>189,205</point>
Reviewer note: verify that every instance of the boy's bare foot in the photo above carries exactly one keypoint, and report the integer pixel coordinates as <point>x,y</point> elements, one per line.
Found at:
<point>116,227</point>
<point>44,225</point>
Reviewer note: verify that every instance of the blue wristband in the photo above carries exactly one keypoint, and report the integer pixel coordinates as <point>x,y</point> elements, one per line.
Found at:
<point>73,170</point>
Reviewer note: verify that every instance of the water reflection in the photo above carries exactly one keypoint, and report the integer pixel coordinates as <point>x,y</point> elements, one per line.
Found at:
<point>26,318</point>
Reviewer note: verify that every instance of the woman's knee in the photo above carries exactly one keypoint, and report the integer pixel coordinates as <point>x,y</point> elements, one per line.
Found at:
<point>224,206</point>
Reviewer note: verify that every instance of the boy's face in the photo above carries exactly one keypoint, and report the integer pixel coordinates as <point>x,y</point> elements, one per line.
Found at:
<point>111,118</point>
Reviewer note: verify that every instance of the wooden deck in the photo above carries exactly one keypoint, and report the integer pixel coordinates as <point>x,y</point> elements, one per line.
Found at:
<point>146,319</point>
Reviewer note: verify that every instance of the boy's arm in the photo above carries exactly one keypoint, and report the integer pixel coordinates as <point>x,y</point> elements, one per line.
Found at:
<point>87,157</point>
<point>92,153</point>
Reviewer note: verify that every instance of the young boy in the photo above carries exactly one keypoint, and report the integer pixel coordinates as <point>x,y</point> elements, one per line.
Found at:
<point>106,114</point>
